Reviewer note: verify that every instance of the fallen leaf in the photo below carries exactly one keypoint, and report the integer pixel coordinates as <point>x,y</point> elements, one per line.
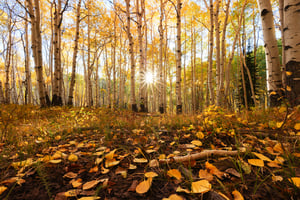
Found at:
<point>233,172</point>
<point>131,166</point>
<point>94,169</point>
<point>288,73</point>
<point>278,148</point>
<point>174,173</point>
<point>202,186</point>
<point>173,197</point>
<point>295,181</point>
<point>197,143</point>
<point>70,175</point>
<point>297,126</point>
<point>90,184</point>
<point>110,155</point>
<point>204,174</point>
<point>121,171</point>
<point>151,174</point>
<point>140,160</point>
<point>277,178</point>
<point>154,163</point>
<point>133,186</point>
<point>98,161</point>
<point>200,135</point>
<point>2,189</point>
<point>262,157</point>
<point>55,161</point>
<point>89,198</point>
<point>72,193</point>
<point>273,164</point>
<point>111,163</point>
<point>144,186</point>
<point>73,158</point>
<point>180,189</point>
<point>237,195</point>
<point>76,183</point>
<point>256,162</point>
<point>213,170</point>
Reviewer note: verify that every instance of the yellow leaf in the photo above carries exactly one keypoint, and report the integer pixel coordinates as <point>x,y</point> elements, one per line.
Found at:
<point>174,173</point>
<point>278,148</point>
<point>89,198</point>
<point>111,163</point>
<point>237,195</point>
<point>256,162</point>
<point>282,109</point>
<point>173,197</point>
<point>90,184</point>
<point>73,158</point>
<point>72,193</point>
<point>131,166</point>
<point>180,189</point>
<point>262,157</point>
<point>55,161</point>
<point>144,186</point>
<point>273,93</point>
<point>202,186</point>
<point>140,160</point>
<point>273,164</point>
<point>110,155</point>
<point>57,137</point>
<point>288,88</point>
<point>200,135</point>
<point>279,124</point>
<point>213,170</point>
<point>98,161</point>
<point>197,143</point>
<point>2,189</point>
<point>297,126</point>
<point>151,174</point>
<point>295,181</point>
<point>104,170</point>
<point>288,73</point>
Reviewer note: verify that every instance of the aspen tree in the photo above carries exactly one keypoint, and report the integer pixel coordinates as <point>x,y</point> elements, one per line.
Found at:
<point>274,77</point>
<point>292,49</point>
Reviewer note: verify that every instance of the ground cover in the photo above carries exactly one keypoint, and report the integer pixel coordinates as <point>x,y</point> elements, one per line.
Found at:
<point>86,153</point>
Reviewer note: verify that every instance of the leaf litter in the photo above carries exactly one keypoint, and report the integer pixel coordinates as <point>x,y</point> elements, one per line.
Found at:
<point>101,154</point>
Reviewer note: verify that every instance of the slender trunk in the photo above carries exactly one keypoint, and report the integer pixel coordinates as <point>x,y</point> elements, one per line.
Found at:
<point>178,59</point>
<point>161,40</point>
<point>132,61</point>
<point>8,62</point>
<point>75,52</point>
<point>57,87</point>
<point>28,91</point>
<point>1,93</point>
<point>217,34</point>
<point>210,56</point>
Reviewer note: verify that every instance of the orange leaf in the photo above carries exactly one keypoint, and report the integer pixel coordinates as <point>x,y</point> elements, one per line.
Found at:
<point>174,173</point>
<point>295,181</point>
<point>213,170</point>
<point>237,195</point>
<point>144,186</point>
<point>204,174</point>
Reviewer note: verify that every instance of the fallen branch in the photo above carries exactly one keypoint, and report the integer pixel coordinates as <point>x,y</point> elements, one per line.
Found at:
<point>203,154</point>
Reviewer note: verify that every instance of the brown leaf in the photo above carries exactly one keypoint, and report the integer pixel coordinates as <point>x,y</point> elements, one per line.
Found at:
<point>213,170</point>
<point>133,186</point>
<point>70,175</point>
<point>90,184</point>
<point>204,174</point>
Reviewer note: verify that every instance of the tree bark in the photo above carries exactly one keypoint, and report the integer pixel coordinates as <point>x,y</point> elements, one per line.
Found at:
<point>132,61</point>
<point>210,56</point>
<point>178,58</point>
<point>274,77</point>
<point>34,10</point>
<point>292,49</point>
<point>161,41</point>
<point>75,52</point>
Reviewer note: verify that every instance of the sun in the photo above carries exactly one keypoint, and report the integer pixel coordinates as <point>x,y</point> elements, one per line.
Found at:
<point>149,77</point>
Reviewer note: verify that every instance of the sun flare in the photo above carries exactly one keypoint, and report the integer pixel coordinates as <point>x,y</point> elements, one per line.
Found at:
<point>149,77</point>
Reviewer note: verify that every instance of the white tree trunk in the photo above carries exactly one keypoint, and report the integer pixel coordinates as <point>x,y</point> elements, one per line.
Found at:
<point>274,77</point>
<point>292,49</point>
<point>178,59</point>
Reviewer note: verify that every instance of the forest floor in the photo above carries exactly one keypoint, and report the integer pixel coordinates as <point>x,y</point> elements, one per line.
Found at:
<point>84,153</point>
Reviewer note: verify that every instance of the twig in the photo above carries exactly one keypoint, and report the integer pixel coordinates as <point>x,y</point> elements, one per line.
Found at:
<point>203,154</point>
